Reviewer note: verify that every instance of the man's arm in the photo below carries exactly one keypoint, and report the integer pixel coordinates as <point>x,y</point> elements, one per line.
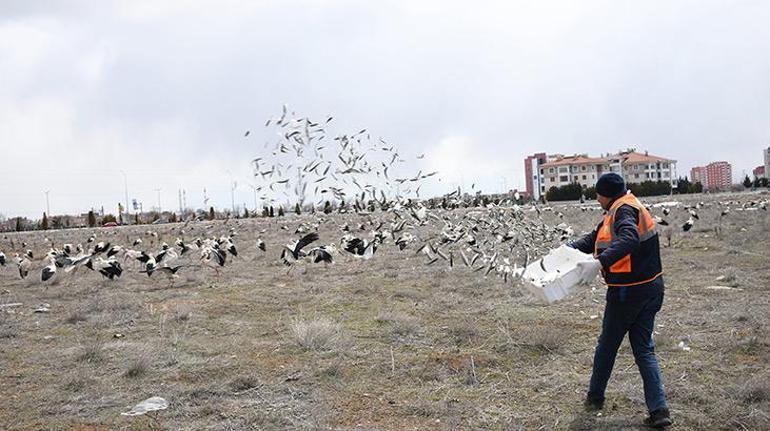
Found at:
<point>586,243</point>
<point>626,236</point>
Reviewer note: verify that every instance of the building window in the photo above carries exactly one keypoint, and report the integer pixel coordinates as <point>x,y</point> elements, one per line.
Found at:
<point>563,170</point>
<point>542,171</point>
<point>584,177</point>
<point>583,168</point>
<point>564,178</point>
<point>636,167</point>
<point>550,170</point>
<point>636,175</point>
<point>665,165</point>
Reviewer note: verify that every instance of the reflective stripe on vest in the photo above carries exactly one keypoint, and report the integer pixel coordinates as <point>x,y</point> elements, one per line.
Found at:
<point>605,234</point>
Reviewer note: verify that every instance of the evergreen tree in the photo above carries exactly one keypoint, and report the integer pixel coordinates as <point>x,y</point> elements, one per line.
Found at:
<point>280,211</point>
<point>297,209</point>
<point>91,219</point>
<point>44,223</point>
<point>747,182</point>
<point>212,213</point>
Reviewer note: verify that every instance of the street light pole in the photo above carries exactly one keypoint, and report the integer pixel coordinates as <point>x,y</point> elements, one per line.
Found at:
<point>159,207</point>
<point>254,188</point>
<point>232,194</point>
<point>47,206</point>
<point>125,189</point>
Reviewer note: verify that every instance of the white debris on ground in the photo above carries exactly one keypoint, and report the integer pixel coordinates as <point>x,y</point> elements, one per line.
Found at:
<point>666,204</point>
<point>722,288</point>
<point>149,405</point>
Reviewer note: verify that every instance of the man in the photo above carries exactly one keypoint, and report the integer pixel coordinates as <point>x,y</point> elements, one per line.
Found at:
<point>626,251</point>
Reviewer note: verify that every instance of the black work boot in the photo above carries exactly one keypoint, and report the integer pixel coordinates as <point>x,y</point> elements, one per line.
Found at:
<point>592,405</point>
<point>660,418</point>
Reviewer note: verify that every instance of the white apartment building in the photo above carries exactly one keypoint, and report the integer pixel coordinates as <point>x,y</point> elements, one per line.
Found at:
<point>633,166</point>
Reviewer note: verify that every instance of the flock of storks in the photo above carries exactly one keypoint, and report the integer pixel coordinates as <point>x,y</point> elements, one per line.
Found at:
<point>497,238</point>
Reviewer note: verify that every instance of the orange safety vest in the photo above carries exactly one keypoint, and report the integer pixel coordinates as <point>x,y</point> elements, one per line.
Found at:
<point>643,264</point>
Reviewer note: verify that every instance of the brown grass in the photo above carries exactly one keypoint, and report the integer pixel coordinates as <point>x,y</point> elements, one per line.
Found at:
<point>386,344</point>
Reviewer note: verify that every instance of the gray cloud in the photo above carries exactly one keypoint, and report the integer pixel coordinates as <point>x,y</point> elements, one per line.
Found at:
<point>165,90</point>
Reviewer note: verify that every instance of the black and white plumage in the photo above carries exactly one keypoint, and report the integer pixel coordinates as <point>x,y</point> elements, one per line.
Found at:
<point>360,248</point>
<point>2,259</point>
<point>660,221</point>
<point>101,247</point>
<point>292,252</point>
<point>23,264</point>
<point>115,249</point>
<point>213,255</point>
<point>184,247</point>
<point>688,224</point>
<point>109,268</point>
<point>322,254</point>
<point>261,244</point>
<point>49,271</point>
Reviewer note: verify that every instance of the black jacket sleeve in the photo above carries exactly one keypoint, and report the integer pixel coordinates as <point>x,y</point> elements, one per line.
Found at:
<point>625,236</point>
<point>586,243</point>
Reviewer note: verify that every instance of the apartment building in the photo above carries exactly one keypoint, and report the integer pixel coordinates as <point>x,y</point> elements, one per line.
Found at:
<point>714,176</point>
<point>633,166</point>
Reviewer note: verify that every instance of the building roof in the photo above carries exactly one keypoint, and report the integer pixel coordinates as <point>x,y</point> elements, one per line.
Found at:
<point>578,159</point>
<point>625,156</point>
<point>636,157</point>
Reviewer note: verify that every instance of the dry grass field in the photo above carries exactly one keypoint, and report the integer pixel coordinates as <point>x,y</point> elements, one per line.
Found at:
<point>384,344</point>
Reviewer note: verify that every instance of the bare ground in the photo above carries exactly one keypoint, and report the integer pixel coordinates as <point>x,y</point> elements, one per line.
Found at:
<point>384,344</point>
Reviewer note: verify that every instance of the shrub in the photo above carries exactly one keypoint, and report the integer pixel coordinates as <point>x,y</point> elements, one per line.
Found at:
<point>317,334</point>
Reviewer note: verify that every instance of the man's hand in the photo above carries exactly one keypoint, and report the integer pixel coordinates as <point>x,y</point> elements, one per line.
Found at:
<point>589,270</point>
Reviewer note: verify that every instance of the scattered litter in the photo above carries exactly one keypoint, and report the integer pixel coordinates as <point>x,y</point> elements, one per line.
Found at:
<point>593,316</point>
<point>12,304</point>
<point>118,335</point>
<point>43,308</point>
<point>682,345</point>
<point>722,288</point>
<point>293,377</point>
<point>666,204</point>
<point>149,405</point>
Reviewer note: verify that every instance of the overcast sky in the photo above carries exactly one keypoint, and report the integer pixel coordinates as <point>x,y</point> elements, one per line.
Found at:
<point>164,90</point>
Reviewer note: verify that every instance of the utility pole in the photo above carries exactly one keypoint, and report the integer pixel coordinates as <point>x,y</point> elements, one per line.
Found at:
<point>47,206</point>
<point>159,207</point>
<point>232,194</point>
<point>254,188</point>
<point>125,189</point>
<point>180,202</point>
